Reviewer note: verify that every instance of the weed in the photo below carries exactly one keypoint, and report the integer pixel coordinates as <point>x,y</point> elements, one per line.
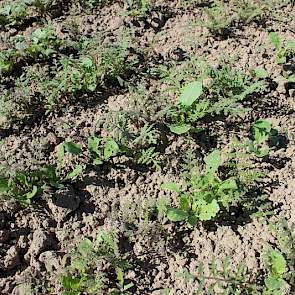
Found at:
<point>247,11</point>
<point>282,52</point>
<point>261,133</point>
<point>208,194</point>
<point>102,149</point>
<point>149,157</point>
<point>219,22</point>
<point>80,276</point>
<point>140,145</point>
<point>137,8</point>
<point>25,185</point>
<point>13,12</point>
<point>225,90</point>
<point>276,266</point>
<point>43,42</point>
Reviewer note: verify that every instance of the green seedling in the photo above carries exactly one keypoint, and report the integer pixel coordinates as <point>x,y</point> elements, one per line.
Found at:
<point>14,12</point>
<point>190,108</point>
<point>149,157</point>
<point>207,195</point>
<point>260,73</point>
<point>261,132</point>
<point>137,8</point>
<point>80,277</point>
<point>122,288</point>
<point>102,149</point>
<point>231,86</point>
<point>277,269</point>
<point>219,21</point>
<point>25,185</point>
<point>282,52</point>
<point>43,42</point>
<point>247,12</point>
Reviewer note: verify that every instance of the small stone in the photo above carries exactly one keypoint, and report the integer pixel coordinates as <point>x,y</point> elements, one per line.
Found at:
<point>50,260</point>
<point>42,241</point>
<point>4,236</point>
<point>12,258</point>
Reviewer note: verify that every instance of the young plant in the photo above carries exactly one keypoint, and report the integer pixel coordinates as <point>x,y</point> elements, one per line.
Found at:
<point>247,11</point>
<point>208,194</point>
<point>282,52</point>
<point>25,185</point>
<point>14,12</point>
<point>81,275</point>
<point>43,42</point>
<point>262,132</point>
<point>190,108</point>
<point>102,149</point>
<point>276,266</point>
<point>218,22</point>
<point>137,8</point>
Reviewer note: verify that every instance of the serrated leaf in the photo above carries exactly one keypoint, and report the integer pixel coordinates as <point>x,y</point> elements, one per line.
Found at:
<point>213,161</point>
<point>190,93</point>
<point>176,214</point>
<point>261,130</point>
<point>172,186</point>
<point>180,129</point>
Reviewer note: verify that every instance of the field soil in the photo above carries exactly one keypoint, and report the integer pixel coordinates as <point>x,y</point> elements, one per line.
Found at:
<point>119,196</point>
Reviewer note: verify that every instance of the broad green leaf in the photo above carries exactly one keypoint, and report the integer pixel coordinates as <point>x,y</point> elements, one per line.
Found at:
<point>290,45</point>
<point>61,153</point>
<point>85,247</point>
<point>209,211</point>
<point>275,40</point>
<point>190,93</point>
<point>228,184</point>
<point>120,276</point>
<point>74,173</point>
<point>260,73</point>
<point>93,144</point>
<point>281,60</point>
<point>4,185</point>
<point>261,130</point>
<point>277,262</point>
<point>273,283</point>
<point>30,195</point>
<point>172,186</point>
<point>213,161</point>
<point>111,148</point>
<point>98,161</point>
<point>71,283</point>
<point>180,129</point>
<point>176,214</point>
<point>72,148</point>
<point>184,203</point>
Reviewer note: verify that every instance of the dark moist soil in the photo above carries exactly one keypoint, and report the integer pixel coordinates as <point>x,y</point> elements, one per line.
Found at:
<point>117,196</point>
